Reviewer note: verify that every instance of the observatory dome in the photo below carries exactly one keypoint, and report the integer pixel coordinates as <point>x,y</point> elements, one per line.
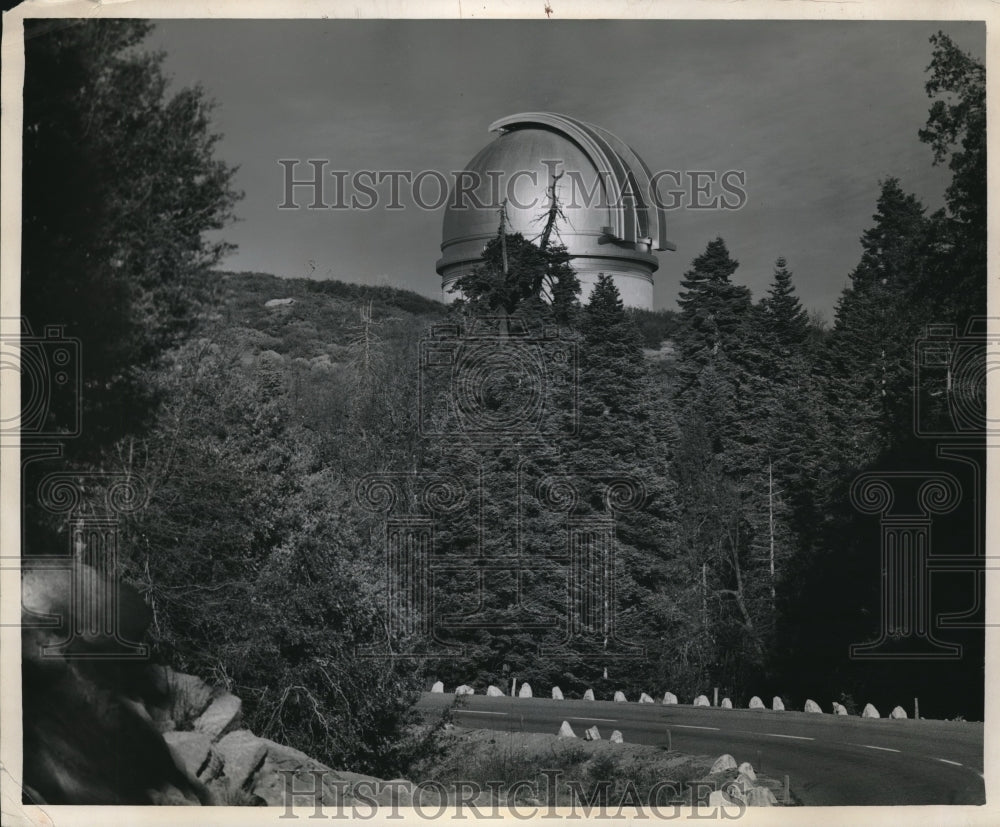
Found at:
<point>610,222</point>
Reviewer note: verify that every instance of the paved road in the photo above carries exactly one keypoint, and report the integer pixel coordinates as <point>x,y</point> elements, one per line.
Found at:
<point>830,760</point>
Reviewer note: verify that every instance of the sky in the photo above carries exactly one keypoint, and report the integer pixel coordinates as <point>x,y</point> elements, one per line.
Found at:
<point>815,113</point>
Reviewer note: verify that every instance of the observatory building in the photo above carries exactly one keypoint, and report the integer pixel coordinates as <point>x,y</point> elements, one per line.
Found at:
<point>611,223</point>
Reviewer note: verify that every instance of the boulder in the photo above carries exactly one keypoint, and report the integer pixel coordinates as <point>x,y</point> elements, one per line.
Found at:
<point>898,712</point>
<point>242,753</point>
<point>566,731</point>
<point>756,703</point>
<point>620,697</point>
<point>669,698</point>
<point>524,691</point>
<point>777,704</point>
<point>616,737</point>
<point>701,700</point>
<point>189,695</point>
<point>719,798</point>
<point>189,749</point>
<point>726,704</point>
<point>398,792</point>
<point>222,716</point>
<point>722,763</point>
<point>493,692</point>
<point>557,694</point>
<point>464,690</point>
<point>592,734</point>
<point>761,797</point>
<point>746,768</point>
<point>438,687</point>
<point>870,712</point>
<point>812,706</point>
<point>645,699</point>
<point>588,695</point>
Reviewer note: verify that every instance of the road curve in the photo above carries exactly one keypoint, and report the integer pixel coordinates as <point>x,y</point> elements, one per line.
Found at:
<point>830,760</point>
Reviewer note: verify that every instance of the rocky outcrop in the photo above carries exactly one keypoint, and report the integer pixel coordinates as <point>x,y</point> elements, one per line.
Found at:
<point>723,763</point>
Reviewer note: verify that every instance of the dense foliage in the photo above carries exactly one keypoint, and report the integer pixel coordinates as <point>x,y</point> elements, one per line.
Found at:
<point>741,424</point>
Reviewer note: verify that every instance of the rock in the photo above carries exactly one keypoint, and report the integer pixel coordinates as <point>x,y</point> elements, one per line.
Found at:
<point>222,715</point>
<point>669,698</point>
<point>812,706</point>
<point>556,693</point>
<point>566,731</point>
<point>588,695</point>
<point>839,709</point>
<point>279,302</point>
<point>645,699</point>
<point>746,768</point>
<point>242,753</point>
<point>620,697</point>
<point>898,712</point>
<point>493,692</point>
<point>524,691</point>
<point>190,750</point>
<point>397,792</point>
<point>616,737</point>
<point>464,690</point>
<point>718,798</point>
<point>722,763</point>
<point>744,782</point>
<point>189,695</point>
<point>756,703</point>
<point>761,797</point>
<point>870,712</point>
<point>777,704</point>
<point>438,687</point>
<point>701,700</point>
<point>726,704</point>
<point>592,734</point>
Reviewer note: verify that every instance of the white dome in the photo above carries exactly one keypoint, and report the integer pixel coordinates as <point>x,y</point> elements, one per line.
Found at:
<point>611,225</point>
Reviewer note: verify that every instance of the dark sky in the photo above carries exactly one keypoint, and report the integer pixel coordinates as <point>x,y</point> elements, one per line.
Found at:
<point>815,113</point>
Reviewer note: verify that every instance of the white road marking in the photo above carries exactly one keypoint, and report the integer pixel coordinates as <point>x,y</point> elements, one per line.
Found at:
<point>692,726</point>
<point>796,737</point>
<point>479,712</point>
<point>606,720</point>
<point>884,749</point>
<point>946,761</point>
